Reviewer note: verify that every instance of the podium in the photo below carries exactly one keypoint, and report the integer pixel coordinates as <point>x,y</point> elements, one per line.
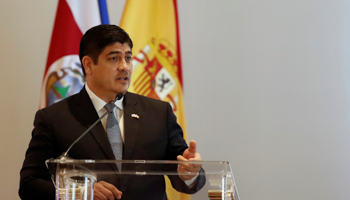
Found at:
<point>74,179</point>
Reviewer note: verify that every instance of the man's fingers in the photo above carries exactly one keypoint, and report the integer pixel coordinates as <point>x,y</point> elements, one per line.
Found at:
<point>190,167</point>
<point>104,190</point>
<point>187,172</point>
<point>182,166</point>
<point>98,195</point>
<point>192,146</point>
<point>181,158</point>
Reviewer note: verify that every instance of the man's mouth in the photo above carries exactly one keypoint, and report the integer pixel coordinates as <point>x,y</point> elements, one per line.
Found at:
<point>123,78</point>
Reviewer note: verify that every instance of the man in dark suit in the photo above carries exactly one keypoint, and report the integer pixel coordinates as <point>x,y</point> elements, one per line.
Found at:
<point>148,127</point>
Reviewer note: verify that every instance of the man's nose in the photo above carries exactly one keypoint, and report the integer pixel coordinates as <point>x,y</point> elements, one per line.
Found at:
<point>123,66</point>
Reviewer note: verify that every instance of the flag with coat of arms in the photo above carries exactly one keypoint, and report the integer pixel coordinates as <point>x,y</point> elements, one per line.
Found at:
<point>153,27</point>
<point>63,75</point>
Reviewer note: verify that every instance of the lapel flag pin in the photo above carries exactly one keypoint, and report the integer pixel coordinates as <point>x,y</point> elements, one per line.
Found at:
<point>135,116</point>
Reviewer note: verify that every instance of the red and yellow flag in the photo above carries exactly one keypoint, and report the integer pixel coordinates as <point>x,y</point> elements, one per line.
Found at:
<point>153,27</point>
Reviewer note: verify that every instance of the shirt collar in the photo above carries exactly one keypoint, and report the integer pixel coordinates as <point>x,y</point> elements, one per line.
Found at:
<point>99,103</point>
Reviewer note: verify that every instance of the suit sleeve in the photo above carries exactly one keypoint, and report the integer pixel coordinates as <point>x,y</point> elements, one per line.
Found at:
<point>177,145</point>
<point>35,181</point>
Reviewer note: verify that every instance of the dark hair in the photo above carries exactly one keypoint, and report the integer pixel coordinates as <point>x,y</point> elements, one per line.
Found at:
<point>98,37</point>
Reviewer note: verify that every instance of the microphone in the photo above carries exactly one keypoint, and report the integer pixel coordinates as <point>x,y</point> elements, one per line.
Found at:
<point>65,156</point>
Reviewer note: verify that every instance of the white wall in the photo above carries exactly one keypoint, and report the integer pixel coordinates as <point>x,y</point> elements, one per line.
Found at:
<point>266,88</point>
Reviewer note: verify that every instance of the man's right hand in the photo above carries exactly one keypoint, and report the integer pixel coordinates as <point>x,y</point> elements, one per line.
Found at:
<point>106,191</point>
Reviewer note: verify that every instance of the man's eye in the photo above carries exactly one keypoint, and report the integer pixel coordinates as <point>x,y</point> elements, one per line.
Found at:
<point>128,58</point>
<point>113,58</point>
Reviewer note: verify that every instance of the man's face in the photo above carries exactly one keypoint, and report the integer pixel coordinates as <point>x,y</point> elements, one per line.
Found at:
<point>112,73</point>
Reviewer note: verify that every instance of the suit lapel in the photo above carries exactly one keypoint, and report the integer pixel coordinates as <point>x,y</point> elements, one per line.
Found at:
<point>88,114</point>
<point>131,124</point>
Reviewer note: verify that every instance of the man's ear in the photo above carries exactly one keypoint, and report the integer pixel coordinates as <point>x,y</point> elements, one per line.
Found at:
<point>87,63</point>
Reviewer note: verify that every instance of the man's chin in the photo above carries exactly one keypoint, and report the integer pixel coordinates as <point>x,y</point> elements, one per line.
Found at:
<point>121,90</point>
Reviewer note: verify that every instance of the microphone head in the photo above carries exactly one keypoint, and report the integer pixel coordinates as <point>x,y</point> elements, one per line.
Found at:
<point>119,96</point>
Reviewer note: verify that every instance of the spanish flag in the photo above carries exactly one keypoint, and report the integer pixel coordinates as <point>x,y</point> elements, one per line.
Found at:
<point>153,27</point>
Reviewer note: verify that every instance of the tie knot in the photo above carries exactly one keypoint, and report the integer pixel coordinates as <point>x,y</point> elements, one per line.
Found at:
<point>109,107</point>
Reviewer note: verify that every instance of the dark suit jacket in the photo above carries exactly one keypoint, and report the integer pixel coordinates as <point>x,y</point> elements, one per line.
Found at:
<point>154,136</point>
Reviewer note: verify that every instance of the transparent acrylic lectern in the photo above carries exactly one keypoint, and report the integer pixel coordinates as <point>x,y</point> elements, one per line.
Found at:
<point>74,179</point>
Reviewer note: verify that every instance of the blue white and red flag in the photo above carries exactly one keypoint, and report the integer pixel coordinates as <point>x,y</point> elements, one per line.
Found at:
<point>63,74</point>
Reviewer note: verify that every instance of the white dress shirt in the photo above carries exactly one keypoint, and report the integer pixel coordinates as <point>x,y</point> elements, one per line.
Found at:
<point>100,109</point>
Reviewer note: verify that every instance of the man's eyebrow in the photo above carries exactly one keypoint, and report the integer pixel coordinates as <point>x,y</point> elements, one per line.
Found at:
<point>114,52</point>
<point>119,52</point>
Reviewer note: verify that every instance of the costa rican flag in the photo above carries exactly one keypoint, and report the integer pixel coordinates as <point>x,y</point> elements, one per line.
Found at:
<point>63,75</point>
